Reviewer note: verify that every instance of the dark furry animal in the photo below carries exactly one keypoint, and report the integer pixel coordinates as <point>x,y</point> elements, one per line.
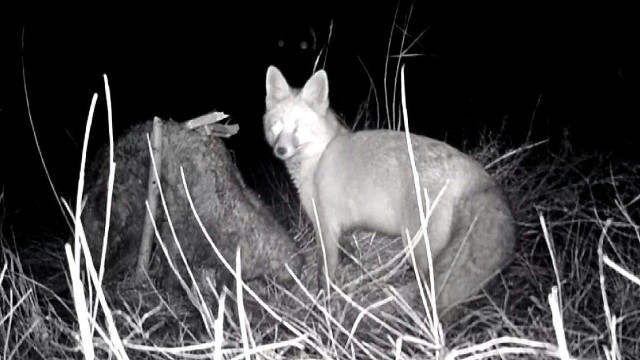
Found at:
<point>231,213</point>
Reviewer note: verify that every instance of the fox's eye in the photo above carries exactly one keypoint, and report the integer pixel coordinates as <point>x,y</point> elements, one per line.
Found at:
<point>277,128</point>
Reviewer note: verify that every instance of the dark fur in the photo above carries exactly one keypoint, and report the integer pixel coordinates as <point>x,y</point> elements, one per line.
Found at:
<point>232,213</point>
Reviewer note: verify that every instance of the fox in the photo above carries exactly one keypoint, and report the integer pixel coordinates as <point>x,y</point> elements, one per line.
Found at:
<point>363,180</point>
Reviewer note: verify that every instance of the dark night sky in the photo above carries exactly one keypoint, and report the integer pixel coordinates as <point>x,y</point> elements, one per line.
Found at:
<point>478,67</point>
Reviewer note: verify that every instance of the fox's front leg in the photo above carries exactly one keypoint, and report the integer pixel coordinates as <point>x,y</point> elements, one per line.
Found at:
<point>327,241</point>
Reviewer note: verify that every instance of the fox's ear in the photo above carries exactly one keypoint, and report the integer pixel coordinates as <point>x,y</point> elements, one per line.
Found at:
<point>277,86</point>
<point>316,91</point>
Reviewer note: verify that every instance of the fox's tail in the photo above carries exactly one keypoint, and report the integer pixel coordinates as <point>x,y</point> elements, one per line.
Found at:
<point>481,244</point>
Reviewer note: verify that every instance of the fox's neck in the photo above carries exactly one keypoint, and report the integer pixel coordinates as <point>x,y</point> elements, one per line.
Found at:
<point>302,166</point>
<point>302,171</point>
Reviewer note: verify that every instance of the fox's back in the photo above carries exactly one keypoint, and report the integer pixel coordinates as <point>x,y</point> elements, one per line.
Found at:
<point>367,176</point>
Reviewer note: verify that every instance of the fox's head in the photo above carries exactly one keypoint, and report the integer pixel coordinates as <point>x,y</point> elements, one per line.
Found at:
<point>298,121</point>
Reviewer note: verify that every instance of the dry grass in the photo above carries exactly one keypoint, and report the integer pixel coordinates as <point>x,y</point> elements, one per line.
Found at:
<point>578,219</point>
<point>571,291</point>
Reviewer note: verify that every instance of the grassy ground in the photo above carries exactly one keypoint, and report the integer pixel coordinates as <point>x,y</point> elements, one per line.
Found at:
<point>571,291</point>
<point>577,214</point>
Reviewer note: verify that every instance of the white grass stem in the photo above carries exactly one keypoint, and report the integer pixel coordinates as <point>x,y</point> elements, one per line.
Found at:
<point>558,324</point>
<point>423,219</point>
<point>80,302</point>
<point>622,271</point>
<point>144,251</point>
<point>611,322</point>
<point>242,317</point>
<point>35,138</point>
<point>219,328</point>
<point>549,240</point>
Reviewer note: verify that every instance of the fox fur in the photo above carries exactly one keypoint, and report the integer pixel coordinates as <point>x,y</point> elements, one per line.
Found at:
<point>363,180</point>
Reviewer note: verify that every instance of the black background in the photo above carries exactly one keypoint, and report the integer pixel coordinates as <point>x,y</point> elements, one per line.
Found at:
<point>575,69</point>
